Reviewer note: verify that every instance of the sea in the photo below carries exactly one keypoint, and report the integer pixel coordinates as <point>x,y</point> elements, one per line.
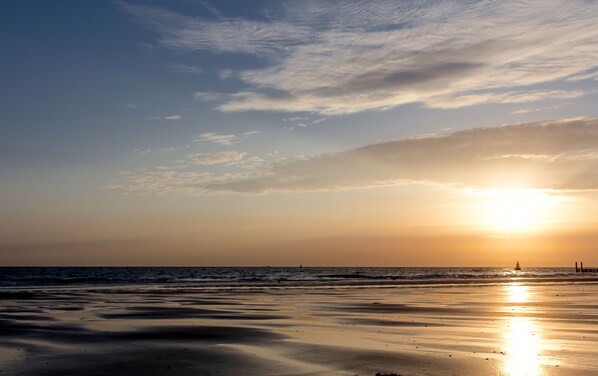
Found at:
<point>24,277</point>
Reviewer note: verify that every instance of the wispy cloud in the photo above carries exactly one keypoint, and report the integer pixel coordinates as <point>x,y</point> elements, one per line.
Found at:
<point>225,74</point>
<point>508,97</point>
<point>537,109</point>
<point>184,68</point>
<point>590,74</point>
<point>222,157</point>
<point>208,96</point>
<point>224,35</point>
<point>168,117</point>
<point>525,111</point>
<point>211,9</point>
<point>224,139</point>
<point>341,57</point>
<point>220,139</point>
<point>298,122</point>
<point>144,152</point>
<point>169,181</point>
<point>556,155</point>
<point>250,133</point>
<point>173,117</point>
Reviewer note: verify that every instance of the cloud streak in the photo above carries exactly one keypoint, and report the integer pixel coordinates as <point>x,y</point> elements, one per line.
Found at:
<point>184,68</point>
<point>168,117</point>
<point>222,157</point>
<point>555,155</point>
<point>344,57</point>
<point>220,139</point>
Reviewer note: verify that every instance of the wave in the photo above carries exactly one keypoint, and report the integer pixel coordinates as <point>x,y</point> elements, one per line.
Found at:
<point>269,276</point>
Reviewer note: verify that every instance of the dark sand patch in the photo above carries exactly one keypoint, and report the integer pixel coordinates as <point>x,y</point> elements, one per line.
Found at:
<point>17,295</point>
<point>67,308</point>
<point>158,312</point>
<point>25,317</point>
<point>216,334</point>
<point>174,313</point>
<point>70,333</point>
<point>145,360</point>
<point>370,362</point>
<point>52,331</point>
<point>389,308</point>
<point>391,323</point>
<point>206,302</point>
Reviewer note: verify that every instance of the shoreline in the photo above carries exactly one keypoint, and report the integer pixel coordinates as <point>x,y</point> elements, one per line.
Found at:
<point>585,279</point>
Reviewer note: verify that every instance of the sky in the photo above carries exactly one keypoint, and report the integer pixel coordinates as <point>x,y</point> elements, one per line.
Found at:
<point>322,133</point>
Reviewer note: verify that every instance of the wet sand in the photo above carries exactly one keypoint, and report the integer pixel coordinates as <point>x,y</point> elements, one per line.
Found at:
<point>505,329</point>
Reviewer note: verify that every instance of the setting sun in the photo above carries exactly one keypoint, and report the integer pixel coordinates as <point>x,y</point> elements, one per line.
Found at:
<point>516,210</point>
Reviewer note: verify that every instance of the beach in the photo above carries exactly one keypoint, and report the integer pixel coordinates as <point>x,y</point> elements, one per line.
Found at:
<point>514,328</point>
<point>298,188</point>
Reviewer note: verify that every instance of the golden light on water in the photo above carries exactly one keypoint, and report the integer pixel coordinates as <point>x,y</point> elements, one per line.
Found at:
<point>523,342</point>
<point>517,293</point>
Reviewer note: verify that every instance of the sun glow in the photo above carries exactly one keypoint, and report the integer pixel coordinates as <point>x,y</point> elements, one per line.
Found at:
<point>516,210</point>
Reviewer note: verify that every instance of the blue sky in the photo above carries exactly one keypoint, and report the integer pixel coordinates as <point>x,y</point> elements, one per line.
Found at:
<point>171,105</point>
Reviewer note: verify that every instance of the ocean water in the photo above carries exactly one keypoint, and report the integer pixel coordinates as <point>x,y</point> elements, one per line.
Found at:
<point>276,276</point>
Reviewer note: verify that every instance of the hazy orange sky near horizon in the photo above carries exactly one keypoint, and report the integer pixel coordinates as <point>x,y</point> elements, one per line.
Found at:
<point>281,133</point>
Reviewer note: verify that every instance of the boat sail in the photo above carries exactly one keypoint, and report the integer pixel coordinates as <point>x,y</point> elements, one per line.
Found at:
<point>517,266</point>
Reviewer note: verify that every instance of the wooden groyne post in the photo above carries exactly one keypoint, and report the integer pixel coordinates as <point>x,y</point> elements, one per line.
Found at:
<point>583,270</point>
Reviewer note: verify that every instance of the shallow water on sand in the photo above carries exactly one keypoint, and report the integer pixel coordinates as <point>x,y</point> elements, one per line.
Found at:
<point>515,328</point>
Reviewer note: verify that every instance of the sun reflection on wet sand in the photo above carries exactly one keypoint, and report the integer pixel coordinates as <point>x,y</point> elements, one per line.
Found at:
<point>522,340</point>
